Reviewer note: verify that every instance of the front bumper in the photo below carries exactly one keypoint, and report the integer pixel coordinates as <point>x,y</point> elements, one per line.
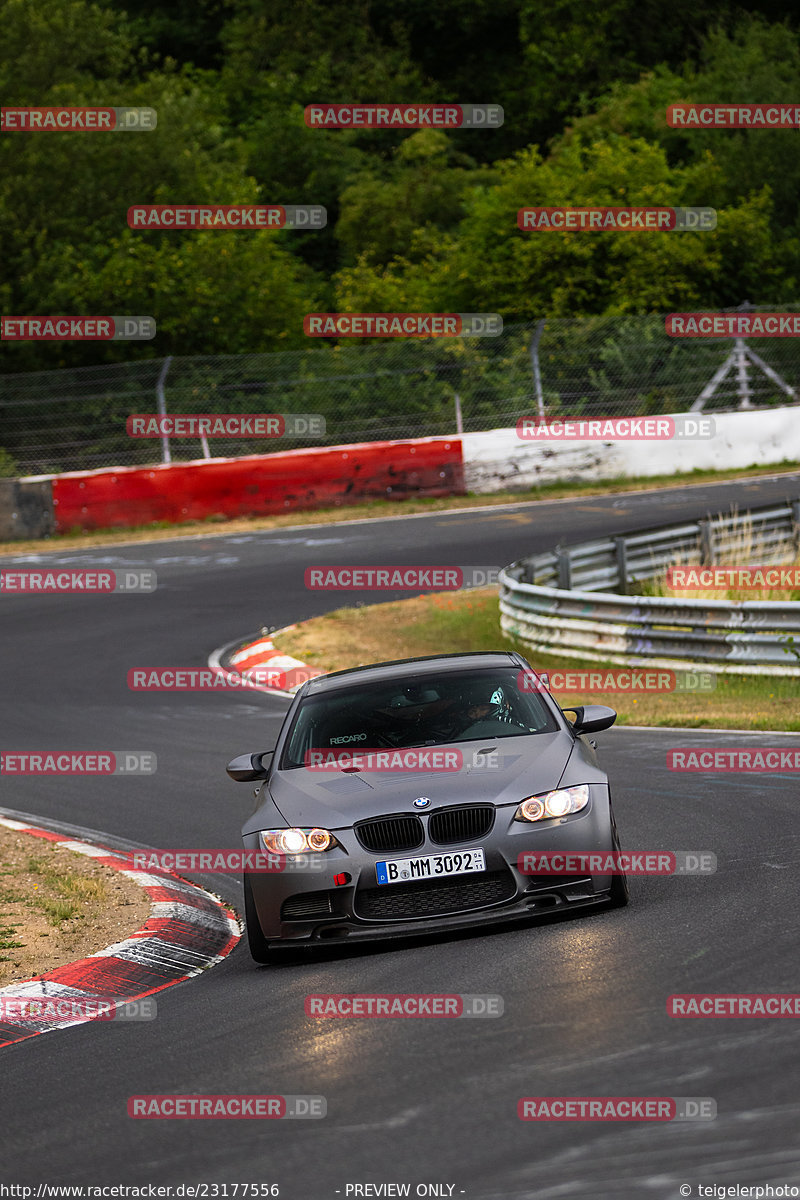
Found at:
<point>305,907</point>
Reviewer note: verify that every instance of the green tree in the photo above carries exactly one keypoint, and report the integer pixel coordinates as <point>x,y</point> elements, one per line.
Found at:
<point>489,264</point>
<point>382,213</point>
<point>64,199</point>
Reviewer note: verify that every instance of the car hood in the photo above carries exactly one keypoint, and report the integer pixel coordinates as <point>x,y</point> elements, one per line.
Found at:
<point>335,799</point>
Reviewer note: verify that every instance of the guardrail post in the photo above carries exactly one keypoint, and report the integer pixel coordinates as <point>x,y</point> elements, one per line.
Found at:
<point>622,565</point>
<point>706,543</point>
<point>796,524</point>
<point>564,568</point>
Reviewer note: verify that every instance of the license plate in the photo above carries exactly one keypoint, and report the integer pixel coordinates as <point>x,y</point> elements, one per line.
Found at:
<point>430,866</point>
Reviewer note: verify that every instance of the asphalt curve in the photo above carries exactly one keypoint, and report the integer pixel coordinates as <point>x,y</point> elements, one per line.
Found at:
<point>417,1102</point>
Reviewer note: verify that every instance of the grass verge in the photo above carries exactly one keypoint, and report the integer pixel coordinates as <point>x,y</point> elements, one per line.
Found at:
<point>450,622</point>
<point>57,906</point>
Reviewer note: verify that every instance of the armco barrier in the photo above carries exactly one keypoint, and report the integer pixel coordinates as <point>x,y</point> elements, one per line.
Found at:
<point>555,602</point>
<point>26,509</point>
<point>258,485</point>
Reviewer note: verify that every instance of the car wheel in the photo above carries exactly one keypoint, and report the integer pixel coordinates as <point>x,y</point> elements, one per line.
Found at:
<point>619,895</point>
<point>259,946</point>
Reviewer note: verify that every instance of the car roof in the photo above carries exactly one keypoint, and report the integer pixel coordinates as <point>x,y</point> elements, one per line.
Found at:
<point>431,666</point>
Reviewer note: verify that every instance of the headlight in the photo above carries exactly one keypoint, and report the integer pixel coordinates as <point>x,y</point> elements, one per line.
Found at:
<point>553,804</point>
<point>297,841</point>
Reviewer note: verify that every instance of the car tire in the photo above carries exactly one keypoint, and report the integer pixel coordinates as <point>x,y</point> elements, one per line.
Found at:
<point>259,946</point>
<point>619,894</point>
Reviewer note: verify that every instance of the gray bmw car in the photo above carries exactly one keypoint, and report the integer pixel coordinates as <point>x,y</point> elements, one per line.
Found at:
<point>412,796</point>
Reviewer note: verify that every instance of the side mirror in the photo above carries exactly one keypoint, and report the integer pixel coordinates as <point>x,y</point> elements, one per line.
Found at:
<point>247,767</point>
<point>591,718</point>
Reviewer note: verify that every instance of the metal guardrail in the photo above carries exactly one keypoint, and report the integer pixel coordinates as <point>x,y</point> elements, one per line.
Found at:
<point>574,601</point>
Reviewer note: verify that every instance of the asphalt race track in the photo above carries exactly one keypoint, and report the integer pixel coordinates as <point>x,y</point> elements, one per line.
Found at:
<point>409,1101</point>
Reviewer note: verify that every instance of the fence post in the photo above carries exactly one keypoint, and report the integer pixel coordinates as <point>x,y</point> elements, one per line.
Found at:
<point>166,455</point>
<point>742,378</point>
<point>459,419</point>
<point>537,375</point>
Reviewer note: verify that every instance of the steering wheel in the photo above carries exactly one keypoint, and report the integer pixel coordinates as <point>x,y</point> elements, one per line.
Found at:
<point>383,739</point>
<point>499,713</point>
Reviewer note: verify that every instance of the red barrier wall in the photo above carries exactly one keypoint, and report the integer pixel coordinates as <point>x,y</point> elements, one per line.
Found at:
<point>258,484</point>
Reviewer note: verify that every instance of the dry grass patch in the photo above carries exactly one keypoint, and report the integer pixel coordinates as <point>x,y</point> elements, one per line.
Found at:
<point>745,549</point>
<point>57,906</point>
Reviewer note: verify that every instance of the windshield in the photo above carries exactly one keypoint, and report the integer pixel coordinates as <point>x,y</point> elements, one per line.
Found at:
<point>454,707</point>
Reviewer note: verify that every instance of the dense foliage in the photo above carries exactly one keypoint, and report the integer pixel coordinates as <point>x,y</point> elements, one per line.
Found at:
<point>417,220</point>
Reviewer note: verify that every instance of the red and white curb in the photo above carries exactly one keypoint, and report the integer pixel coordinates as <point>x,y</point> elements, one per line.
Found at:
<point>252,654</point>
<point>189,930</point>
